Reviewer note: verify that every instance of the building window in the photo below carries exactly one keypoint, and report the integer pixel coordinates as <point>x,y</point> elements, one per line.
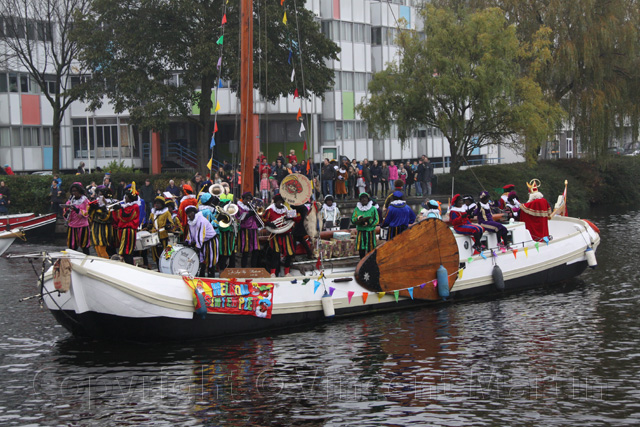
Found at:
<point>46,136</point>
<point>349,130</point>
<point>328,131</point>
<point>376,36</point>
<point>361,130</point>
<point>347,81</point>
<point>338,130</point>
<point>358,33</point>
<point>50,84</point>
<point>30,137</point>
<point>15,137</point>
<point>13,82</point>
<point>360,83</point>
<point>337,80</point>
<point>347,32</point>
<point>5,137</point>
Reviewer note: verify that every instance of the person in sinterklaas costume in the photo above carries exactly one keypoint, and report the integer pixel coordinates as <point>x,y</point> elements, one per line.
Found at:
<point>536,212</point>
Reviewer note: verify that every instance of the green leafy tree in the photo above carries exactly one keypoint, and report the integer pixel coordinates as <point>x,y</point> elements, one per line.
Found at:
<point>41,45</point>
<point>134,47</point>
<point>464,78</point>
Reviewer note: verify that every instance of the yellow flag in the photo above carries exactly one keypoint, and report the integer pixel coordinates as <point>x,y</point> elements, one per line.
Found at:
<point>217,107</point>
<point>284,19</point>
<point>210,164</point>
<point>460,273</point>
<point>380,295</point>
<point>526,252</point>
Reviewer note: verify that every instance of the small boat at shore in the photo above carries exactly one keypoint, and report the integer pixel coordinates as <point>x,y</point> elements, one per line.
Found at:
<point>26,222</point>
<point>113,300</point>
<point>7,238</point>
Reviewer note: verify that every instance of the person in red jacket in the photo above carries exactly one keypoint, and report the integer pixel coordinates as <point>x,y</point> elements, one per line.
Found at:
<point>279,243</point>
<point>127,218</point>
<point>8,170</point>
<point>536,212</point>
<point>189,199</point>
<point>459,218</point>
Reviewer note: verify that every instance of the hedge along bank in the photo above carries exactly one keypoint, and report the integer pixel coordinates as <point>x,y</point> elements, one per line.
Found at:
<point>32,193</point>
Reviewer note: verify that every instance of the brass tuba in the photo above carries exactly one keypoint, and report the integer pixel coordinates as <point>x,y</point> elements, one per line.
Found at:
<point>216,190</point>
<point>227,215</point>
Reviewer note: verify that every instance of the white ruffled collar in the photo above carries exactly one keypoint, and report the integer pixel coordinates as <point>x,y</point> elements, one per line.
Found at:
<point>328,208</point>
<point>457,209</point>
<point>280,211</point>
<point>398,203</point>
<point>485,206</point>
<point>81,200</point>
<point>159,212</point>
<point>365,208</point>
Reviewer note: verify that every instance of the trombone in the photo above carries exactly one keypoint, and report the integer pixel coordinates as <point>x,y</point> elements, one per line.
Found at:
<point>257,206</point>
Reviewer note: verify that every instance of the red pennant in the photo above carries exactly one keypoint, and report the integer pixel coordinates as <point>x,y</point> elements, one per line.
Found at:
<point>224,19</point>
<point>299,114</point>
<point>515,251</point>
<point>295,94</point>
<point>365,295</point>
<point>281,2</point>
<point>215,127</point>
<point>318,264</point>
<point>308,163</point>
<point>304,148</point>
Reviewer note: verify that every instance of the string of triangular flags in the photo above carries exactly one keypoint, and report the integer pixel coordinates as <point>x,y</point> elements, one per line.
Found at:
<point>396,293</point>
<point>220,43</point>
<point>294,48</point>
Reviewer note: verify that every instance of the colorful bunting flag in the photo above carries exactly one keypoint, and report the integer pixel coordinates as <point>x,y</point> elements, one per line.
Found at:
<point>220,83</point>
<point>423,285</point>
<point>546,239</point>
<point>316,285</point>
<point>470,260</point>
<point>331,291</point>
<point>493,254</point>
<point>365,295</point>
<point>215,127</point>
<point>305,281</point>
<point>304,148</point>
<point>302,129</point>
<point>380,295</point>
<point>224,19</point>
<point>318,264</point>
<point>220,40</point>
<point>293,74</point>
<point>483,256</point>
<point>515,253</point>
<point>435,283</point>
<point>213,141</point>
<point>290,55</point>
<point>396,294</point>
<point>350,295</point>
<point>299,114</point>
<point>410,292</point>
<point>284,18</point>
<point>217,107</point>
<point>460,273</point>
<point>281,2</point>
<point>219,63</point>
<point>537,247</point>
<point>210,163</point>
<point>526,252</point>
<point>295,94</point>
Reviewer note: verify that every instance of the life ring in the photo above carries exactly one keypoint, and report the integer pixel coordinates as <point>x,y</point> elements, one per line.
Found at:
<point>592,225</point>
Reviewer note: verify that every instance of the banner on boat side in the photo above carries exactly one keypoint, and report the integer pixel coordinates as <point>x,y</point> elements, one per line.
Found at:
<point>245,298</point>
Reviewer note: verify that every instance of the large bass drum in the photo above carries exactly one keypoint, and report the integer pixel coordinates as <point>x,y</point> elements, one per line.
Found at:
<point>179,260</point>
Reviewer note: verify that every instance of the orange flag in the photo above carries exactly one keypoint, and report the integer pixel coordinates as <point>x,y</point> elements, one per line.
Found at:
<point>365,295</point>
<point>299,114</point>
<point>215,127</point>
<point>281,2</point>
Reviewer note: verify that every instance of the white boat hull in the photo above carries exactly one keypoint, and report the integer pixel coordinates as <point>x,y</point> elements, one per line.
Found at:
<point>115,300</point>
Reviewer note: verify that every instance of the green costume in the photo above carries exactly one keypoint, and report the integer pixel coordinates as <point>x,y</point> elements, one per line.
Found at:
<point>366,239</point>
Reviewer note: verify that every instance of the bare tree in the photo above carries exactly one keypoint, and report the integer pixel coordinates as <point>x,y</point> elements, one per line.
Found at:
<point>36,34</point>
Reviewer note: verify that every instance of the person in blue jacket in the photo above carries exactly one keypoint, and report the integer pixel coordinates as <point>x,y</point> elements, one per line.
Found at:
<point>399,215</point>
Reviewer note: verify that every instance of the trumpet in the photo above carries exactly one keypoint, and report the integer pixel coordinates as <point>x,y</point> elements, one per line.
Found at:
<point>112,205</point>
<point>257,206</point>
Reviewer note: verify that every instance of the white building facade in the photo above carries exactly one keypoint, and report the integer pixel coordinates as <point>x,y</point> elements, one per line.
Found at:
<point>364,30</point>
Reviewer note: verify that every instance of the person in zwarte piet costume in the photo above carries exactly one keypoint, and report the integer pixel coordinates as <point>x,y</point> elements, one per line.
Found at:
<point>77,209</point>
<point>365,217</point>
<point>227,240</point>
<point>536,212</point>
<point>127,219</point>
<point>502,202</point>
<point>102,234</point>
<point>177,225</point>
<point>200,235</point>
<point>399,215</point>
<point>459,218</point>
<point>188,200</point>
<point>161,222</point>
<point>280,244</point>
<point>248,241</point>
<point>485,219</point>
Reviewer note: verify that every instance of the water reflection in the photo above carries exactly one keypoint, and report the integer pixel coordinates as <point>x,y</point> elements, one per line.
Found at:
<point>561,355</point>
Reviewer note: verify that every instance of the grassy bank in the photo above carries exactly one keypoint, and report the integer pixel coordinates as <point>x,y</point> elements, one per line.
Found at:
<point>618,184</point>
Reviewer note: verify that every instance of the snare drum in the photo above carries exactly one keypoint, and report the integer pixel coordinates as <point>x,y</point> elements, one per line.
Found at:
<point>384,233</point>
<point>179,259</point>
<point>146,240</point>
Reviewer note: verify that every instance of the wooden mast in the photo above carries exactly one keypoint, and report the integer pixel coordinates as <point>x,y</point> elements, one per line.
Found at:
<point>247,144</point>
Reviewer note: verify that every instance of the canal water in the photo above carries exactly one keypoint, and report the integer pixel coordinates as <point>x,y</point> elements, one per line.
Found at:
<point>562,355</point>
